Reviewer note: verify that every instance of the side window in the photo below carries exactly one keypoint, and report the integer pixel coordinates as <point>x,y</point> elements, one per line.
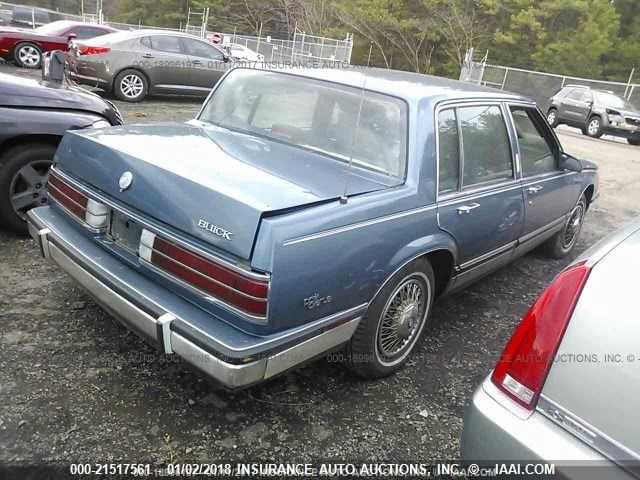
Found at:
<point>486,150</point>
<point>166,43</point>
<point>578,94</point>
<point>87,32</point>
<point>537,150</point>
<point>201,49</point>
<point>448,151</point>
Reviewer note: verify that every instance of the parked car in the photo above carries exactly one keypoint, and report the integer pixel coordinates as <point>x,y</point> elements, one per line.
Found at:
<point>25,46</point>
<point>300,212</point>
<point>565,388</point>
<point>135,64</point>
<point>241,52</point>
<point>33,118</point>
<point>595,112</point>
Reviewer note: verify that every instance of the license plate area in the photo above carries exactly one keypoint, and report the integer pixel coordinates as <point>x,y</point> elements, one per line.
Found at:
<point>124,232</point>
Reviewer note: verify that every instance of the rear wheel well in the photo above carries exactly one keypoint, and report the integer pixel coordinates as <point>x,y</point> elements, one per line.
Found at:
<point>442,264</point>
<point>45,139</point>
<point>588,193</point>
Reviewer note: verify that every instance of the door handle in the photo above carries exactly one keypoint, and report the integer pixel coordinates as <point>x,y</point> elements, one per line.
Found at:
<point>147,55</point>
<point>467,208</point>
<point>535,189</point>
<point>196,62</point>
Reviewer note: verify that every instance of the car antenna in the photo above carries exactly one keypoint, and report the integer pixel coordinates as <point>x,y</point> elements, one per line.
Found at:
<point>343,198</point>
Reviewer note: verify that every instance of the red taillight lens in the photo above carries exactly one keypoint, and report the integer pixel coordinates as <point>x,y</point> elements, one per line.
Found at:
<point>67,196</point>
<point>527,358</point>
<point>93,213</point>
<point>247,294</point>
<point>93,50</point>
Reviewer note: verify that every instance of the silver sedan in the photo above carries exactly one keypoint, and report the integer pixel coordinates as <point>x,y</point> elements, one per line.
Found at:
<point>135,64</point>
<point>567,387</point>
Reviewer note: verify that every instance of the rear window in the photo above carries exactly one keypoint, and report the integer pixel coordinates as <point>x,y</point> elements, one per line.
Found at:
<point>342,122</point>
<point>110,38</point>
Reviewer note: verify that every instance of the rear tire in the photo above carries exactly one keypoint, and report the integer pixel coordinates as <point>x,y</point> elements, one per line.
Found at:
<point>633,141</point>
<point>24,170</point>
<point>594,127</point>
<point>27,55</point>
<point>563,242</point>
<point>552,117</point>
<point>130,85</point>
<point>394,322</point>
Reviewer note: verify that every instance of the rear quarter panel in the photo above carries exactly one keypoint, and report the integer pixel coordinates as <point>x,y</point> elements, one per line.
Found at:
<point>596,375</point>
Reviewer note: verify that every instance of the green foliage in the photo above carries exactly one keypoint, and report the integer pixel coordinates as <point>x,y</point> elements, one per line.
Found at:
<point>593,38</point>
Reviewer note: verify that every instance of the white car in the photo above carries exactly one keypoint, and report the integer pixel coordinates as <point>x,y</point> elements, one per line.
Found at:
<point>240,52</point>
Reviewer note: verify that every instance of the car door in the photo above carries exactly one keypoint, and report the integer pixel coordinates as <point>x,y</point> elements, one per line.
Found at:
<point>577,106</point>
<point>479,198</point>
<point>165,62</point>
<point>549,192</point>
<point>206,63</point>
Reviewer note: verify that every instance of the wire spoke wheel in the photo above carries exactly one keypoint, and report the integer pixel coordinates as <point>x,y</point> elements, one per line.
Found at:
<point>573,225</point>
<point>402,319</point>
<point>28,186</point>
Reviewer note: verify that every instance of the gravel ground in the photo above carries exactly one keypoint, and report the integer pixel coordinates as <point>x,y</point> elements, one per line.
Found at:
<point>77,386</point>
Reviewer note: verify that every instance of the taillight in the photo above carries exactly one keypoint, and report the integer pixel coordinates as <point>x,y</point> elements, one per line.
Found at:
<point>86,50</point>
<point>240,291</point>
<point>527,358</point>
<point>85,209</point>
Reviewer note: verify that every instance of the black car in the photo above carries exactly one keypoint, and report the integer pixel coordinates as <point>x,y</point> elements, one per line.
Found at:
<point>595,112</point>
<point>34,115</point>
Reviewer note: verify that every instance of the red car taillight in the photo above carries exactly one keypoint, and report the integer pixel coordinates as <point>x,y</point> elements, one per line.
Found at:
<point>67,196</point>
<point>527,358</point>
<point>85,209</point>
<point>247,294</point>
<point>86,50</point>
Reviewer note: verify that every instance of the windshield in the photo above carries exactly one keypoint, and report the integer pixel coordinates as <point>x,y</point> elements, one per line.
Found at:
<point>315,115</point>
<point>611,100</point>
<point>54,28</point>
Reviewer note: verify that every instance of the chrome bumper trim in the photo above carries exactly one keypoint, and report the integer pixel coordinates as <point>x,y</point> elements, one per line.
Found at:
<point>158,328</point>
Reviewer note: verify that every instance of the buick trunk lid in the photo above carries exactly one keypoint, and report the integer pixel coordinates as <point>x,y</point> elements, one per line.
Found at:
<point>212,183</point>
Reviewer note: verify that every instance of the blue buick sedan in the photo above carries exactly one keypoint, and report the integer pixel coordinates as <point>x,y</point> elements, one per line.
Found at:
<point>306,211</point>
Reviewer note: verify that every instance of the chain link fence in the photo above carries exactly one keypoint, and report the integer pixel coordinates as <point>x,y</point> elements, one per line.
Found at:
<point>302,49</point>
<point>539,86</point>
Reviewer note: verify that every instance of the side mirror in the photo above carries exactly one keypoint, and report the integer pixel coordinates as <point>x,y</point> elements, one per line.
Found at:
<point>567,162</point>
<point>226,58</point>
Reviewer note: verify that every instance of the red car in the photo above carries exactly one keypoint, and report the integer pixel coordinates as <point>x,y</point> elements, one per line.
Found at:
<point>26,46</point>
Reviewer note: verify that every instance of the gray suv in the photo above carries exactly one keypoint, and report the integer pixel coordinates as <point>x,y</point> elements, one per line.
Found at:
<point>595,112</point>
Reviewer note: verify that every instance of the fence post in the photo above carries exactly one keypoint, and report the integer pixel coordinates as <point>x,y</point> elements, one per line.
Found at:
<point>629,82</point>
<point>504,79</point>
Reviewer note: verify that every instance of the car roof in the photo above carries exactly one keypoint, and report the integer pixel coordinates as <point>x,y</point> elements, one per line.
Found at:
<point>73,23</point>
<point>158,31</point>
<point>406,85</point>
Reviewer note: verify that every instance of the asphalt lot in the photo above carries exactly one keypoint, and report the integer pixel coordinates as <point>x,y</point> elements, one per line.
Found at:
<point>77,386</point>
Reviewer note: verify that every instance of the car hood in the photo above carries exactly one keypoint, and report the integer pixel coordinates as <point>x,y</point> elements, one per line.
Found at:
<point>191,175</point>
<point>25,92</point>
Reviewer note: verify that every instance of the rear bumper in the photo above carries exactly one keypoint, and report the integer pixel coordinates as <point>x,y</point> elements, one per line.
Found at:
<point>496,433</point>
<point>230,356</point>
<point>89,80</point>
